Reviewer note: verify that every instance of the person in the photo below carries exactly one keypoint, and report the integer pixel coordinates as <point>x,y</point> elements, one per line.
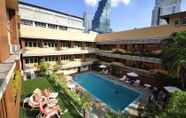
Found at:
<point>48,112</point>
<point>46,92</point>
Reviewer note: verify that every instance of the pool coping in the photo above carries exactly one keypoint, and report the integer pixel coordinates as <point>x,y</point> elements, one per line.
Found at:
<point>132,104</point>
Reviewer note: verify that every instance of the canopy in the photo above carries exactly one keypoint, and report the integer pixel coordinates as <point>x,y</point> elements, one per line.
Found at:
<point>171,89</point>
<point>102,66</point>
<point>132,74</point>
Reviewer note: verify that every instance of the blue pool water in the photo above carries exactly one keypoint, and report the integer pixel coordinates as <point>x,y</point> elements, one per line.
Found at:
<point>114,95</point>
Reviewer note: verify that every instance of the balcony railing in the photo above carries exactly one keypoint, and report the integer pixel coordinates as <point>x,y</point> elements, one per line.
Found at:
<point>129,57</point>
<point>66,64</point>
<point>52,51</point>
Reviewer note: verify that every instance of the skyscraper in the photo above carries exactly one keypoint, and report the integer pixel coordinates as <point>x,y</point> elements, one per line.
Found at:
<point>87,21</point>
<point>164,7</point>
<point>101,21</point>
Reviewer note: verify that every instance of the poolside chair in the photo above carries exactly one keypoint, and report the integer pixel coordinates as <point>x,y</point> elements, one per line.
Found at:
<point>53,95</point>
<point>49,114</point>
<point>137,83</point>
<point>32,103</point>
<point>26,101</point>
<point>123,78</point>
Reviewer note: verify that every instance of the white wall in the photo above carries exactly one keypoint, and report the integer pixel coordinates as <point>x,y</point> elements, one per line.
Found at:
<point>45,16</point>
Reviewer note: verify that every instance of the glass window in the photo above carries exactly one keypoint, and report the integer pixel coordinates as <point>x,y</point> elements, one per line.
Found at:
<point>34,44</point>
<point>27,22</point>
<point>52,26</point>
<point>30,44</point>
<point>31,60</point>
<point>26,44</point>
<point>26,61</point>
<point>184,20</point>
<point>39,24</point>
<point>35,60</point>
<point>62,28</point>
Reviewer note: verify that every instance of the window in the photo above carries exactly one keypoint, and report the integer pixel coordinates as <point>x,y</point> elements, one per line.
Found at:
<point>52,26</point>
<point>31,60</point>
<point>27,22</point>
<point>34,44</point>
<point>26,61</point>
<point>30,44</point>
<point>39,24</point>
<point>177,22</point>
<point>62,28</point>
<point>35,60</point>
<point>26,44</point>
<point>184,20</point>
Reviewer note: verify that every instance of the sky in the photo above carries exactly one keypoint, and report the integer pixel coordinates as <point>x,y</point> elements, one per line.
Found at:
<point>125,15</point>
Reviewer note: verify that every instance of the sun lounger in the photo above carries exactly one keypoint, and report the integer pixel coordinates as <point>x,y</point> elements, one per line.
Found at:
<point>137,83</point>
<point>123,78</point>
<point>53,95</point>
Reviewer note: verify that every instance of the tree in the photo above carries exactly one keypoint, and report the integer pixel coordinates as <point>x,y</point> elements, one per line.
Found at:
<point>174,56</point>
<point>43,67</point>
<point>86,103</point>
<point>176,107</point>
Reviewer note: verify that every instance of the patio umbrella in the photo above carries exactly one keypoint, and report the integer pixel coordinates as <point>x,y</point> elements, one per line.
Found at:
<point>171,89</point>
<point>132,74</point>
<point>71,86</point>
<point>102,66</point>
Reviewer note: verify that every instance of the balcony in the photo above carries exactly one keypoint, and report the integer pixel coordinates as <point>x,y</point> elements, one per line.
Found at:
<point>7,69</point>
<point>28,52</point>
<point>65,64</point>
<point>53,34</point>
<point>131,58</point>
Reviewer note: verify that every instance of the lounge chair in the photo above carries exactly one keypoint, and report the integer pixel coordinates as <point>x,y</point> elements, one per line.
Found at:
<point>33,103</point>
<point>53,95</point>
<point>123,78</point>
<point>26,101</point>
<point>137,82</point>
<point>50,112</point>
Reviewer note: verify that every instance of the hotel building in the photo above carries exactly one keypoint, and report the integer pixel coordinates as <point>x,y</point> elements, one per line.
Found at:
<point>138,50</point>
<point>56,37</point>
<point>10,78</point>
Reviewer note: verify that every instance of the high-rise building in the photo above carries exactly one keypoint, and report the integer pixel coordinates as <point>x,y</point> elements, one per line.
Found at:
<point>87,21</point>
<point>164,7</point>
<point>101,21</point>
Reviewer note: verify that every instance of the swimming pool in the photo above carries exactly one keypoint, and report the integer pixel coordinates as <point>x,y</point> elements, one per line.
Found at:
<point>116,96</point>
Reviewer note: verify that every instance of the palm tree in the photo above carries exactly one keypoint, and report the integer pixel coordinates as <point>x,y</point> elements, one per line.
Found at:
<point>174,56</point>
<point>87,104</point>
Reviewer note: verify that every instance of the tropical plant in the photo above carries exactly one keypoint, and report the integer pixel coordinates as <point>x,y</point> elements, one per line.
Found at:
<point>86,103</point>
<point>176,108</point>
<point>16,83</point>
<point>174,56</point>
<point>43,67</point>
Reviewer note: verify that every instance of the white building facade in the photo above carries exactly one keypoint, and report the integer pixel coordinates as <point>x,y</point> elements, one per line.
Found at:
<point>56,37</point>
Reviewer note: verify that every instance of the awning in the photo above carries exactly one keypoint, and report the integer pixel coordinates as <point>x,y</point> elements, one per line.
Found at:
<point>171,89</point>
